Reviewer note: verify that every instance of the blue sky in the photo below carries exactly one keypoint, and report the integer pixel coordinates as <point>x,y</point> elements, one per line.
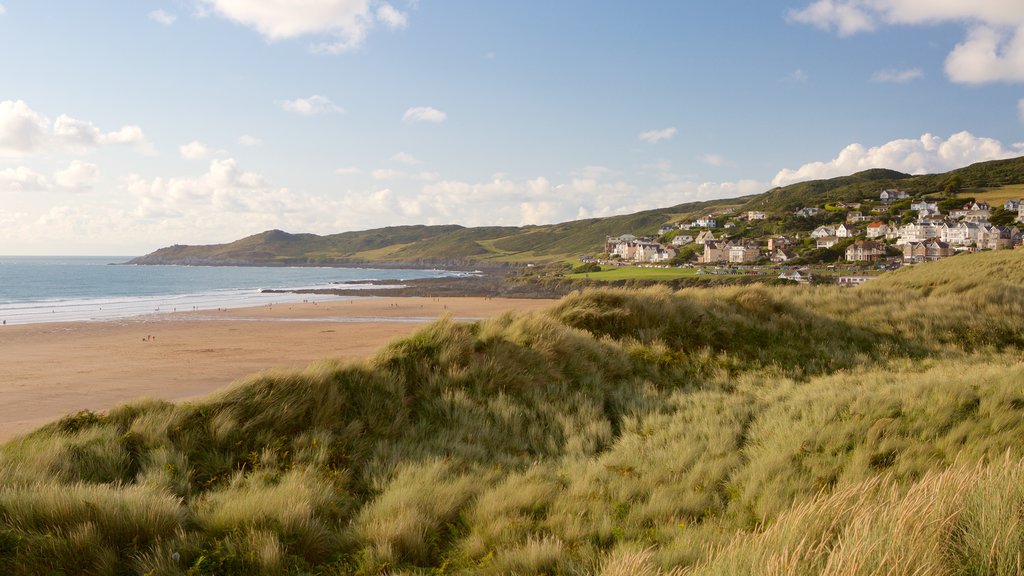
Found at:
<point>126,126</point>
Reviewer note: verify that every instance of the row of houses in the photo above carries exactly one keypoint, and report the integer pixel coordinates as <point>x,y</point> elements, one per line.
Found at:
<point>633,249</point>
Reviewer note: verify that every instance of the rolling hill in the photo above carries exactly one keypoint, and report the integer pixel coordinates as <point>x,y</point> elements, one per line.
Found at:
<point>451,245</point>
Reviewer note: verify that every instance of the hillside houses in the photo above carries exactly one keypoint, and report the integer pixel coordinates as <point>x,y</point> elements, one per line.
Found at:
<point>924,227</point>
<point>632,249</point>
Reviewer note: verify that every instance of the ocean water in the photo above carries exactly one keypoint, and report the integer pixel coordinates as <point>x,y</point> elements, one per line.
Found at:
<point>62,289</point>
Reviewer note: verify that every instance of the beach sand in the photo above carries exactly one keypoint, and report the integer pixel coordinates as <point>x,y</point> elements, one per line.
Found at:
<point>49,370</point>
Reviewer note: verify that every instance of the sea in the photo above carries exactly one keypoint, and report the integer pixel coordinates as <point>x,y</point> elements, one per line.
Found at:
<point>36,289</point>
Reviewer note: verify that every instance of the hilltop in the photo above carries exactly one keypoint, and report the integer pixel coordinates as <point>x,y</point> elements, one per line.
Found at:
<point>453,245</point>
<point>736,430</point>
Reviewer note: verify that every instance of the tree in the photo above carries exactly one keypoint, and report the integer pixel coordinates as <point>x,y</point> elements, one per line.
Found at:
<point>953,185</point>
<point>1002,217</point>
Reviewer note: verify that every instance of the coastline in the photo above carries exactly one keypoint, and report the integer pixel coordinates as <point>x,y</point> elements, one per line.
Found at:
<point>54,369</point>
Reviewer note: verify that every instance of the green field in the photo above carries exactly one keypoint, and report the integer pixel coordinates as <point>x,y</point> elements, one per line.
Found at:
<point>612,273</point>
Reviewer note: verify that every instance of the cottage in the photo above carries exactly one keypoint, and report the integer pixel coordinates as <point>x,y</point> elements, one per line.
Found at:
<point>845,231</point>
<point>865,251</point>
<point>756,215</point>
<point>704,237</point>
<point>826,242</point>
<point>776,242</point>
<point>705,222</point>
<point>682,240</point>
<point>666,228</point>
<point>893,195</point>
<point>611,242</point>
<point>877,229</point>
<point>823,231</point>
<point>808,212</point>
<point>850,281</point>
<point>796,276</point>
<point>780,255</point>
<point>1013,205</point>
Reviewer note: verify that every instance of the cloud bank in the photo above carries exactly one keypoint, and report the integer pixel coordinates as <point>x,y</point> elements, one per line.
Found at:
<point>927,154</point>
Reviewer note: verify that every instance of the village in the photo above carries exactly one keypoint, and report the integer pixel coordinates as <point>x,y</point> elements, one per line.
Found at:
<point>896,229</point>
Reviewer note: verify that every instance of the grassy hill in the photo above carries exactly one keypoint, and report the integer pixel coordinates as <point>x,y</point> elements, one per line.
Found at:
<point>739,430</point>
<point>457,245</point>
<point>445,245</point>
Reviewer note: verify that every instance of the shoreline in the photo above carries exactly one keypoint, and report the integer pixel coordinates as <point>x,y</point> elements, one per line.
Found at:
<point>54,369</point>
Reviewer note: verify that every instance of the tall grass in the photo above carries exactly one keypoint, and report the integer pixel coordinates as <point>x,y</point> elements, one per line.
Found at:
<point>721,431</point>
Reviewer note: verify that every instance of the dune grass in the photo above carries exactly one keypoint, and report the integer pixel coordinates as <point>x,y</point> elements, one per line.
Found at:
<point>738,430</point>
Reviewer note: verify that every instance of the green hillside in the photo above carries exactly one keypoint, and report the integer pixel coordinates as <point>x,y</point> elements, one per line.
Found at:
<point>454,245</point>
<point>738,430</point>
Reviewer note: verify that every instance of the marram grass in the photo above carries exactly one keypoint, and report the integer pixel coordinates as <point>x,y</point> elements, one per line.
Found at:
<point>740,430</point>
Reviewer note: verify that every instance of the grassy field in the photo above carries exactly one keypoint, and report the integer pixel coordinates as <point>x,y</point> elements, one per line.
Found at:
<point>996,197</point>
<point>734,430</point>
<point>611,273</point>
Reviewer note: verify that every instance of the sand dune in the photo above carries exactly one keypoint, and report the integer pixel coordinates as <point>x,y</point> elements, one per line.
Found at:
<point>48,370</point>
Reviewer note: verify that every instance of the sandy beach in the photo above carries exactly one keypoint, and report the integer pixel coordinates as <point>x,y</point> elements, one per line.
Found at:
<point>49,370</point>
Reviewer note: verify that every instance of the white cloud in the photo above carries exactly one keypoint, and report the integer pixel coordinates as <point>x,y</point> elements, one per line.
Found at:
<point>391,18</point>
<point>247,140</point>
<point>21,179</point>
<point>389,174</point>
<point>2,10</point>
<point>347,170</point>
<point>845,17</point>
<point>311,106</point>
<point>654,136</point>
<point>162,17</point>
<point>194,150</point>
<point>897,76</point>
<point>798,76</point>
<point>405,158</point>
<point>23,131</point>
<point>714,160</point>
<point>80,135</point>
<point>77,176</point>
<point>340,25</point>
<point>927,154</point>
<point>424,114</point>
<point>993,50</point>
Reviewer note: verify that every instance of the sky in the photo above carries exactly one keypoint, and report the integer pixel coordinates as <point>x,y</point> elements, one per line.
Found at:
<point>129,125</point>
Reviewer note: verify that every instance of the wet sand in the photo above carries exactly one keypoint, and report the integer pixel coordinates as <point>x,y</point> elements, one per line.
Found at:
<point>49,370</point>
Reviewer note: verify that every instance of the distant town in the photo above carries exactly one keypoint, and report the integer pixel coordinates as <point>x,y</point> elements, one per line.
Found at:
<point>886,233</point>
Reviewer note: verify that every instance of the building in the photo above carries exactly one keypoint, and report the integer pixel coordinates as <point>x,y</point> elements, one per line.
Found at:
<point>916,252</point>
<point>704,237</point>
<point>715,252</point>
<point>826,242</point>
<point>865,251</point>
<point>756,215</point>
<point>877,229</point>
<point>845,231</point>
<point>777,242</point>
<point>705,222</point>
<point>744,253</point>
<point>823,231</point>
<point>780,255</point>
<point>893,195</point>
<point>850,281</point>
<point>808,212</point>
<point>611,242</point>
<point>796,276</point>
<point>682,240</point>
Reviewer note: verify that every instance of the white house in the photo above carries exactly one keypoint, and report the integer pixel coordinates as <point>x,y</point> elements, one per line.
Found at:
<point>877,229</point>
<point>826,242</point>
<point>743,253</point>
<point>892,195</point>
<point>823,231</point>
<point>682,240</point>
<point>845,232</point>
<point>756,215</point>
<point>705,222</point>
<point>704,237</point>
